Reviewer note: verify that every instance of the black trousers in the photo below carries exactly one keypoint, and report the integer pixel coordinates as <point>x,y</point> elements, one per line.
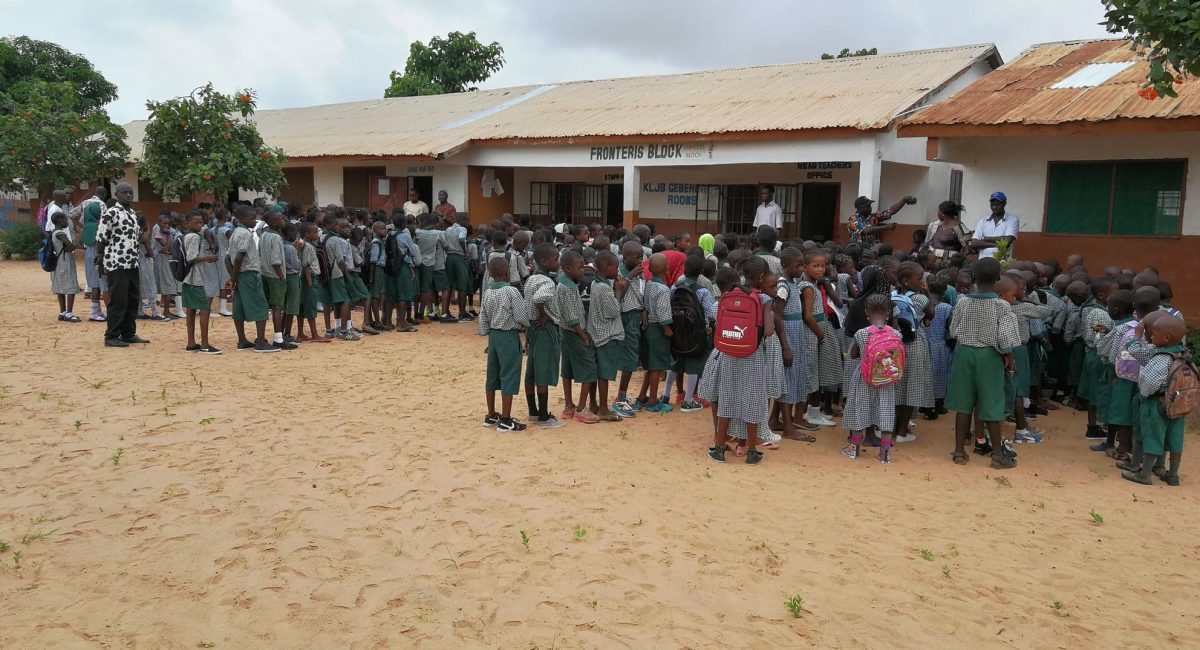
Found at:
<point>124,287</point>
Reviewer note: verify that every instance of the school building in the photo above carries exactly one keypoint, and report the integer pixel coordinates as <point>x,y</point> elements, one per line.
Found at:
<point>682,152</point>
<point>1089,166</point>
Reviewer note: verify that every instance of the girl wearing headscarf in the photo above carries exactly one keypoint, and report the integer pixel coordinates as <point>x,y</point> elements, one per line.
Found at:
<point>875,282</point>
<point>707,243</point>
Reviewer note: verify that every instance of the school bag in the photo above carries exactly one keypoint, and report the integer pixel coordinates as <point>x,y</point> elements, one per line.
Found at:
<point>397,255</point>
<point>1183,388</point>
<point>323,259</point>
<point>908,311</point>
<point>179,264</point>
<point>47,256</point>
<point>1126,366</point>
<point>688,325</point>
<point>585,285</point>
<point>739,327</point>
<point>883,357</point>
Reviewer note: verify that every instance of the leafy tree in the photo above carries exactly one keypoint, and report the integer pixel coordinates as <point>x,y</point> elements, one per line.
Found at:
<point>54,131</point>
<point>199,144</point>
<point>1166,32</point>
<point>446,65</point>
<point>846,53</point>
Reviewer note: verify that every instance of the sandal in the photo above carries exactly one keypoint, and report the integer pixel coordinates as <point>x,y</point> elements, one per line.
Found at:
<point>960,457</point>
<point>1003,461</point>
<point>767,445</point>
<point>741,451</point>
<point>800,437</point>
<point>406,328</point>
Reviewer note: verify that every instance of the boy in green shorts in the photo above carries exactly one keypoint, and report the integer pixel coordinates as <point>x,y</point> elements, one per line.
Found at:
<point>1158,433</point>
<point>987,331</point>
<point>360,295</point>
<point>605,328</point>
<point>402,285</point>
<point>501,313</point>
<point>249,303</point>
<point>578,356</point>
<point>543,338</point>
<point>197,252</point>
<point>458,280</point>
<point>336,296</point>
<point>274,278</point>
<point>310,272</point>
<point>656,340</point>
<point>291,297</point>
<point>377,261</point>
<point>633,321</point>
<point>1094,382</point>
<point>429,240</point>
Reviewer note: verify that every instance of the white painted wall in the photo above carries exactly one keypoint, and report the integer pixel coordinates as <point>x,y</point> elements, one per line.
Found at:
<point>1017,167</point>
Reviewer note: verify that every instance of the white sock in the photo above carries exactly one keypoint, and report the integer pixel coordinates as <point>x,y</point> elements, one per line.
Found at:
<point>178,304</point>
<point>224,305</point>
<point>689,382</point>
<point>278,337</point>
<point>337,324</point>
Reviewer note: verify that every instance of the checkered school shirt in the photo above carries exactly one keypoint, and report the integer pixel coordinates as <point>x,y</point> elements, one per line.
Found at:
<point>1058,309</point>
<point>337,254</point>
<point>242,241</point>
<point>540,291</point>
<point>1110,344</point>
<point>1027,311</point>
<point>985,321</point>
<point>270,252</point>
<point>604,314</point>
<point>1071,323</point>
<point>454,239</point>
<point>632,300</point>
<point>570,303</point>
<point>1153,378</point>
<point>502,308</point>
<point>308,258</point>
<point>657,299</point>
<point>1094,315</point>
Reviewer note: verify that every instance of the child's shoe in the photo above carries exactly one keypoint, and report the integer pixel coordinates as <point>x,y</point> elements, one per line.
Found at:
<point>490,421</point>
<point>885,456</point>
<point>1095,432</point>
<point>550,422</point>
<point>209,350</point>
<point>509,424</point>
<point>661,407</point>
<point>754,457</point>
<point>585,417</point>
<point>690,407</point>
<point>622,409</point>
<point>1003,461</point>
<point>851,451</point>
<point>638,405</point>
<point>716,454</point>
<point>1027,436</point>
<point>983,448</point>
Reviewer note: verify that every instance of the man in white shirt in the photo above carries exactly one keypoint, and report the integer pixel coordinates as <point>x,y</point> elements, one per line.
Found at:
<point>768,212</point>
<point>55,206</point>
<point>998,226</point>
<point>414,206</point>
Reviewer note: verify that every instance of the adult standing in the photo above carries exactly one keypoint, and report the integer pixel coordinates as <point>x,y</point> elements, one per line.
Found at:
<point>947,235</point>
<point>414,206</point>
<point>999,226</point>
<point>91,211</point>
<point>55,206</point>
<point>118,239</point>
<point>865,226</point>
<point>445,209</point>
<point>768,212</point>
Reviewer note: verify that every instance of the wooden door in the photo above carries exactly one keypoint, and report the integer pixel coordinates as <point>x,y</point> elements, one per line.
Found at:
<point>386,193</point>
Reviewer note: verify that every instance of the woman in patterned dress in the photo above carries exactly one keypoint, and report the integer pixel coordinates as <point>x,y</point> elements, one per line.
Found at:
<point>914,390</point>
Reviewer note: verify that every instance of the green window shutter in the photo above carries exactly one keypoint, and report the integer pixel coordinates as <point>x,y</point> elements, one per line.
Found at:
<point>1078,201</point>
<point>1148,198</point>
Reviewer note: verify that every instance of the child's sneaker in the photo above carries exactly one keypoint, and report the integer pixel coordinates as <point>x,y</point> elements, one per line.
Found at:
<point>661,407</point>
<point>690,407</point>
<point>208,349</point>
<point>1008,448</point>
<point>851,451</point>
<point>1027,436</point>
<point>622,409</point>
<point>509,424</point>
<point>754,457</point>
<point>885,456</point>
<point>1100,446</point>
<point>637,405</point>
<point>716,454</point>
<point>263,347</point>
<point>983,448</point>
<point>1095,432</point>
<point>770,436</point>
<point>550,423</point>
<point>490,421</point>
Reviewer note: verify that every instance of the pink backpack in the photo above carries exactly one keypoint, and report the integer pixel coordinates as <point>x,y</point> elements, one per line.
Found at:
<point>1126,366</point>
<point>884,357</point>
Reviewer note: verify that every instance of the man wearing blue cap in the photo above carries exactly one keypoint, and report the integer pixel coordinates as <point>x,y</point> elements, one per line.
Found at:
<point>998,226</point>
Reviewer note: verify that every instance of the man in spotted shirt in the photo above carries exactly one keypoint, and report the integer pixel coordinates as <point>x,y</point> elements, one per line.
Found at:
<point>117,241</point>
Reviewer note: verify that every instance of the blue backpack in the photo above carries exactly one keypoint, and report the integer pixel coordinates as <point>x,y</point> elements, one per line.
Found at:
<point>908,311</point>
<point>47,256</point>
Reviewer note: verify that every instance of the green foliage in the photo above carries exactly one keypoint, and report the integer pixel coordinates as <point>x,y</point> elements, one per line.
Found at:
<point>206,143</point>
<point>795,605</point>
<point>446,65</point>
<point>846,53</point>
<point>54,130</point>
<point>1166,32</point>
<point>24,239</point>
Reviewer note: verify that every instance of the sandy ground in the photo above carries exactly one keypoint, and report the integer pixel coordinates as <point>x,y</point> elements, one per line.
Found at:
<point>346,496</point>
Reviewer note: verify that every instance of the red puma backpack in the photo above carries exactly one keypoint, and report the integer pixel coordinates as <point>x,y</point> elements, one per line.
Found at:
<point>739,326</point>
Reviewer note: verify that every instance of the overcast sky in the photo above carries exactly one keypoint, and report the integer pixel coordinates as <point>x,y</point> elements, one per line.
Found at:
<point>303,52</point>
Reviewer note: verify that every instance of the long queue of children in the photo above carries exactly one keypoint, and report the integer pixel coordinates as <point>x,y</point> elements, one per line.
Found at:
<point>794,336</point>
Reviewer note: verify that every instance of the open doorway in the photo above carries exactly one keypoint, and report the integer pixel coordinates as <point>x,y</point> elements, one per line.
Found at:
<point>614,214</point>
<point>819,211</point>
<point>424,187</point>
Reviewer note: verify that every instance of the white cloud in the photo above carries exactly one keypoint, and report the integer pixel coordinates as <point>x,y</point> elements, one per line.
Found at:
<point>302,52</point>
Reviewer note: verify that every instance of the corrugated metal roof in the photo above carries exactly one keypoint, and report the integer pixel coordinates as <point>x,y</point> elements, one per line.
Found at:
<point>1023,91</point>
<point>859,93</point>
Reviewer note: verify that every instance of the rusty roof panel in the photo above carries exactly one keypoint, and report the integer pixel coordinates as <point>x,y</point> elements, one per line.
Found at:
<point>1022,91</point>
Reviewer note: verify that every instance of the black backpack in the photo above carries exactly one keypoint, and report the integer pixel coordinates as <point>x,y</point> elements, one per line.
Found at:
<point>323,259</point>
<point>179,264</point>
<point>397,255</point>
<point>585,289</point>
<point>689,326</point>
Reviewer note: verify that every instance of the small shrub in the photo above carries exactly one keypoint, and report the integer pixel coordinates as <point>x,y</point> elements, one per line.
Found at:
<point>24,239</point>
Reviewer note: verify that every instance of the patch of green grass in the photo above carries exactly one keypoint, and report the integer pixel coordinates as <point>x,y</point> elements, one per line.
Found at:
<point>116,457</point>
<point>97,384</point>
<point>795,605</point>
<point>133,396</point>
<point>945,570</point>
<point>525,541</point>
<point>1097,518</point>
<point>3,545</point>
<point>580,533</point>
<point>43,395</point>
<point>450,559</point>
<point>1059,608</point>
<point>207,421</point>
<point>78,424</point>
<point>927,555</point>
<point>16,557</point>
<point>29,537</point>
